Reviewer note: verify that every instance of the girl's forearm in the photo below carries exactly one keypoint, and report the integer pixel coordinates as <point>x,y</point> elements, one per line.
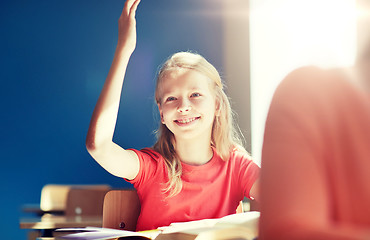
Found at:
<point>104,117</point>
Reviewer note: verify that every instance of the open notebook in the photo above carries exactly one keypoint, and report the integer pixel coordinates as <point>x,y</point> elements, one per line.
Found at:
<point>235,226</point>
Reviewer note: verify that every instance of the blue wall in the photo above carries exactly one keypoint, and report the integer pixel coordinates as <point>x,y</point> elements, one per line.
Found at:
<point>54,57</point>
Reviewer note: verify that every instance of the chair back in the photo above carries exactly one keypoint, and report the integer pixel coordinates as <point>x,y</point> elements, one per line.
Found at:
<point>54,197</point>
<point>73,199</point>
<point>121,209</point>
<point>85,201</point>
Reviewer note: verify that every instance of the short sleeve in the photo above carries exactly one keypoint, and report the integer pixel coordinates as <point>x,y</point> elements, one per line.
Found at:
<point>248,171</point>
<point>149,166</point>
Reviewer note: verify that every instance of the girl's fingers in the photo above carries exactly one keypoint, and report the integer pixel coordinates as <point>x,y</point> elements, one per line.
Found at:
<point>134,7</point>
<point>127,7</point>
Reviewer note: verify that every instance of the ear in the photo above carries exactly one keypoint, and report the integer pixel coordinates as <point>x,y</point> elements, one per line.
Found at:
<point>160,113</point>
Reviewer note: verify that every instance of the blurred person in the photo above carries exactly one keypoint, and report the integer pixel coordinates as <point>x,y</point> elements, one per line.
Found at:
<point>315,179</point>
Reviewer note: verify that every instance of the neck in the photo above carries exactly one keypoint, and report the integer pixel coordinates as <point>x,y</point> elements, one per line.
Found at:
<point>194,152</point>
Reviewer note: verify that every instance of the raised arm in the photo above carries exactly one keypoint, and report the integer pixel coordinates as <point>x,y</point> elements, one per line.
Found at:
<point>99,140</point>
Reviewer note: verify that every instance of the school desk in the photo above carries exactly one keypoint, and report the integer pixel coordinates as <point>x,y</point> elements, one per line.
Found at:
<point>48,223</point>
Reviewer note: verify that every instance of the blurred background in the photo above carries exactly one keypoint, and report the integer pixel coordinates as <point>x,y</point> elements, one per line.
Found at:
<point>55,55</point>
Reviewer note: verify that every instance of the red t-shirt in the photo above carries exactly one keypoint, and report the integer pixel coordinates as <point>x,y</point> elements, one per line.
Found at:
<point>211,190</point>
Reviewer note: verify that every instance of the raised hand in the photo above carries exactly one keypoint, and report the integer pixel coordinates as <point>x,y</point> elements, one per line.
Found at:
<point>127,26</point>
<point>99,139</point>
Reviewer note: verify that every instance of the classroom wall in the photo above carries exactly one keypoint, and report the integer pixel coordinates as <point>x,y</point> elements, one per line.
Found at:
<point>236,62</point>
<point>54,57</point>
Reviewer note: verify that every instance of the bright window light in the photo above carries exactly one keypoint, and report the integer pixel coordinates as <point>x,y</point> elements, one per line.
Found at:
<point>287,34</point>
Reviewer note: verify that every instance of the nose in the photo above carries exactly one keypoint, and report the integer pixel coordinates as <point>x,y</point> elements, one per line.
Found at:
<point>184,106</point>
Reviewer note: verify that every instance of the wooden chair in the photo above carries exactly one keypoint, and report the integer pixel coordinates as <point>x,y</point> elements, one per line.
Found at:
<point>85,202</point>
<point>73,200</point>
<point>121,209</point>
<point>70,201</point>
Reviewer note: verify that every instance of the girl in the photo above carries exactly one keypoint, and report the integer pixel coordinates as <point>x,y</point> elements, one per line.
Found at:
<point>196,169</point>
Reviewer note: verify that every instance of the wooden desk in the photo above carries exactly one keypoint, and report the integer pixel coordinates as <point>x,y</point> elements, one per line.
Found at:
<point>53,222</point>
<point>48,223</point>
<point>37,211</point>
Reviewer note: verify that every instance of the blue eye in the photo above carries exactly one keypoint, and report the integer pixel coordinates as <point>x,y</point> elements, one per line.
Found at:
<point>169,99</point>
<point>195,95</point>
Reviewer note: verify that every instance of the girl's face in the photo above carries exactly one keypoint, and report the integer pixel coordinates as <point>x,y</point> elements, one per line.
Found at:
<point>188,104</point>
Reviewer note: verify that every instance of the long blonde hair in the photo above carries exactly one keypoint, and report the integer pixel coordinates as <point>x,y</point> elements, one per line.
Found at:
<point>224,136</point>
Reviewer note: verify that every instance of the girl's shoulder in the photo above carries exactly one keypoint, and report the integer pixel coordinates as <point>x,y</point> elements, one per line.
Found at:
<point>148,153</point>
<point>152,166</point>
<point>151,152</point>
<point>242,160</point>
<point>242,165</point>
<point>239,152</point>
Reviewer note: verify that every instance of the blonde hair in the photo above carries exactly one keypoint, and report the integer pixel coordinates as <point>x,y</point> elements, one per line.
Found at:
<point>225,136</point>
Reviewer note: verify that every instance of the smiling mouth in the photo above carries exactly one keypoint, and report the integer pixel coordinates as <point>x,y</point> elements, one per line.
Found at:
<point>187,120</point>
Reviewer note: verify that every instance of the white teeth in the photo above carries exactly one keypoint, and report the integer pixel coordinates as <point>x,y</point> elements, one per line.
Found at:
<point>186,120</point>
